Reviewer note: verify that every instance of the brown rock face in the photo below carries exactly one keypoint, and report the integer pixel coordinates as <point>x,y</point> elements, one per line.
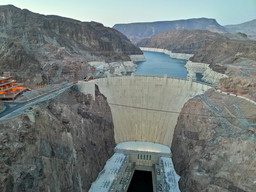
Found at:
<point>45,49</point>
<point>62,149</point>
<point>241,81</point>
<point>220,52</point>
<point>181,41</point>
<point>214,144</point>
<point>240,86</point>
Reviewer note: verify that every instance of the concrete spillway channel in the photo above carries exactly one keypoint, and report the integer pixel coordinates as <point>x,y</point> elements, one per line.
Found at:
<point>145,109</point>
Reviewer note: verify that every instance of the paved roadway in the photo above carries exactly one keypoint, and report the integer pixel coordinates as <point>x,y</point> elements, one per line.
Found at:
<point>16,108</point>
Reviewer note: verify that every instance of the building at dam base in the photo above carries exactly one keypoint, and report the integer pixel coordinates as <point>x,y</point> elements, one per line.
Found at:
<point>130,156</point>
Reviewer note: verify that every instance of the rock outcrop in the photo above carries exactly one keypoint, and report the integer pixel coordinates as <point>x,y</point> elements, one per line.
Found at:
<point>209,75</point>
<point>117,68</point>
<point>220,52</point>
<point>214,144</point>
<point>138,31</point>
<point>40,49</point>
<point>59,145</point>
<point>241,82</point>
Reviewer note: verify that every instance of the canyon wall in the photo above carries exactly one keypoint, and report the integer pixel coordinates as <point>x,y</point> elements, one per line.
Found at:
<point>40,49</point>
<point>214,144</point>
<point>117,68</point>
<point>59,145</point>
<point>181,41</point>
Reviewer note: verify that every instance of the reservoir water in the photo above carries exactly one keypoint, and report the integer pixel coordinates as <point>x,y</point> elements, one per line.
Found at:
<point>158,64</point>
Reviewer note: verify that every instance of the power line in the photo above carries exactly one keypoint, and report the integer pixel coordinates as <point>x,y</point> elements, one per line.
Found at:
<point>180,113</point>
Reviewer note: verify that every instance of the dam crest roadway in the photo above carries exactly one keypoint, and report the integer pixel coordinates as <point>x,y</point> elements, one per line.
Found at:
<point>145,110</point>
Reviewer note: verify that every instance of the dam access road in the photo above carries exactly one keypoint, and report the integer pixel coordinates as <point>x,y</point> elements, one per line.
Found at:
<point>13,109</point>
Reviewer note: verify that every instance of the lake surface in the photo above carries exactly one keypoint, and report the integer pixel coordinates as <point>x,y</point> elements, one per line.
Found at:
<point>158,64</point>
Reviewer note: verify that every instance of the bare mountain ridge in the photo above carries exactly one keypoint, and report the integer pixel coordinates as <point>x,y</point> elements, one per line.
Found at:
<point>138,31</point>
<point>248,28</point>
<point>38,48</point>
<point>181,41</point>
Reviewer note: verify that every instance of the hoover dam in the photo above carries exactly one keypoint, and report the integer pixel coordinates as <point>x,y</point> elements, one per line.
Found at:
<point>145,111</point>
<point>145,108</point>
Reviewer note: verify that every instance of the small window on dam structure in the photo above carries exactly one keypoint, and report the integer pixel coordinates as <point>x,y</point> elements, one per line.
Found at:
<point>141,182</point>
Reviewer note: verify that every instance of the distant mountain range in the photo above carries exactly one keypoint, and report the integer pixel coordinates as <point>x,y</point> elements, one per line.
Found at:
<point>138,31</point>
<point>249,28</point>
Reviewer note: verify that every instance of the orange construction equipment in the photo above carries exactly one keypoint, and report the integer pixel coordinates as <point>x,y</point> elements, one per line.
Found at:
<point>89,77</point>
<point>9,89</point>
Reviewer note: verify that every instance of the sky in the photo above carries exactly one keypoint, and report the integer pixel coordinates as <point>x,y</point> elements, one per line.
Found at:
<point>110,12</point>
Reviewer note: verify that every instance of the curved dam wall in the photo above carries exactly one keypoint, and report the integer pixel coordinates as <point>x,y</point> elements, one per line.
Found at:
<point>145,108</point>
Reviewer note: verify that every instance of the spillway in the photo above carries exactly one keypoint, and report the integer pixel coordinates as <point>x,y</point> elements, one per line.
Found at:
<point>144,108</point>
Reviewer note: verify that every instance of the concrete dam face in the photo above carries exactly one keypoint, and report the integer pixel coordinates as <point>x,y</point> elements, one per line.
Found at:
<point>144,108</point>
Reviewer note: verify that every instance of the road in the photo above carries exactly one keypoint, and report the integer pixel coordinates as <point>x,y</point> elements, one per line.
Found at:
<point>16,108</point>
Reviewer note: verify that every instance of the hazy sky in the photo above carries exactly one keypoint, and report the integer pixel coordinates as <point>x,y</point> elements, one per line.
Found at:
<point>110,12</point>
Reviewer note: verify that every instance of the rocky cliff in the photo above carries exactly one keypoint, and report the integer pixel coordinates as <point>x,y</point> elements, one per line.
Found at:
<point>219,53</point>
<point>59,145</point>
<point>139,31</point>
<point>214,144</point>
<point>241,81</point>
<point>40,49</point>
<point>235,58</point>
